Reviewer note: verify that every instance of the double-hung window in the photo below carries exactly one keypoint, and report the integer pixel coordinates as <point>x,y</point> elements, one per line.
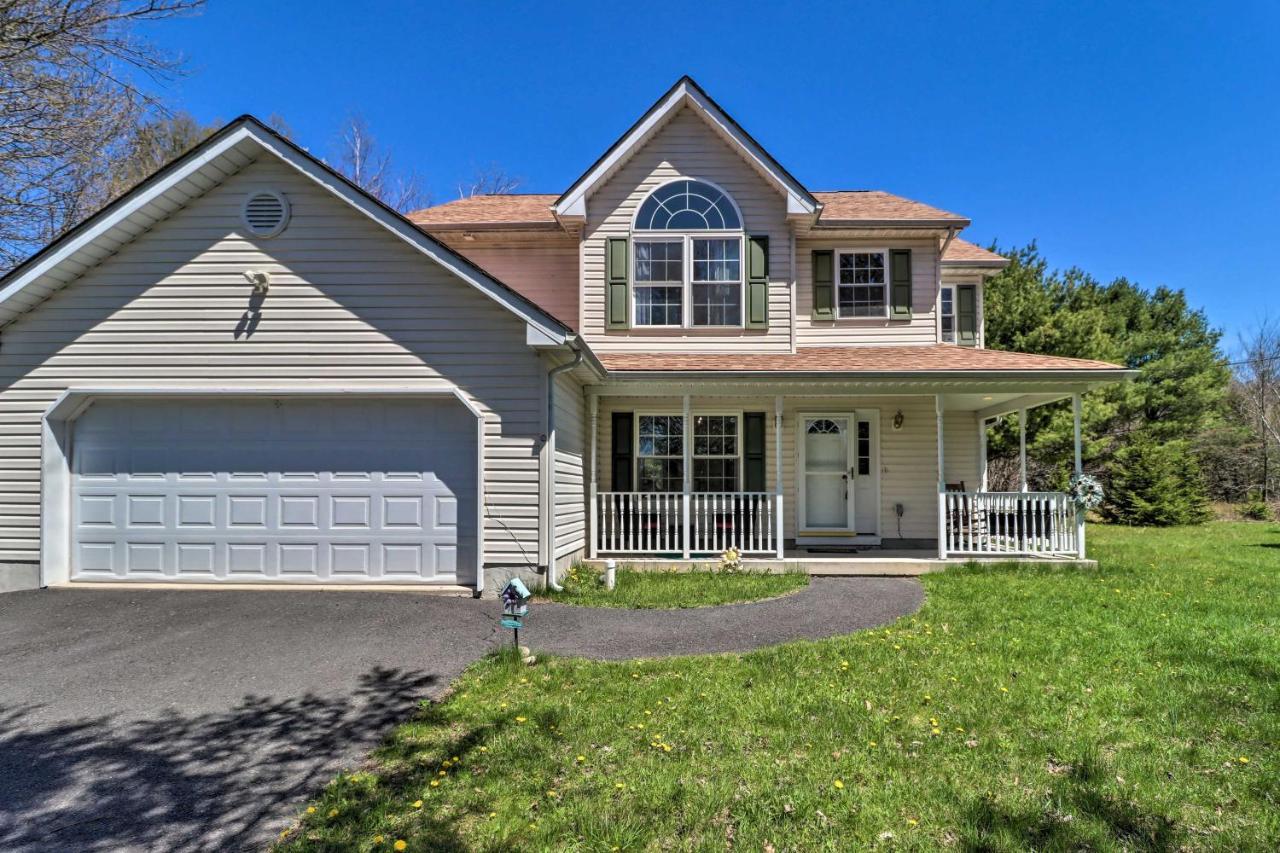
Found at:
<point>861,278</point>
<point>660,453</point>
<point>688,247</point>
<point>947,314</point>
<point>715,453</point>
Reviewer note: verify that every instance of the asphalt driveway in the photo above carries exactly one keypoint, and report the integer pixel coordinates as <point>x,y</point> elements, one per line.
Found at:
<point>202,720</point>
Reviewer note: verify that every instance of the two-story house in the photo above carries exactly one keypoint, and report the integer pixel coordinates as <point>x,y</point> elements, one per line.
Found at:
<point>248,370</point>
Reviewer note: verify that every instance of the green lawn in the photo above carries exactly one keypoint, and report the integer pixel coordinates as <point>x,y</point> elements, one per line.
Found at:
<point>1136,706</point>
<point>650,590</point>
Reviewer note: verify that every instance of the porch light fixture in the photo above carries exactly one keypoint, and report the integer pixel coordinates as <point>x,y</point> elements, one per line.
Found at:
<point>260,279</point>
<point>898,419</point>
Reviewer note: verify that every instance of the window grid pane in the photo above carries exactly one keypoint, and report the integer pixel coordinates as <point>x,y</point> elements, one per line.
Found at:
<point>715,452</point>
<point>660,452</point>
<point>948,315</point>
<point>861,284</point>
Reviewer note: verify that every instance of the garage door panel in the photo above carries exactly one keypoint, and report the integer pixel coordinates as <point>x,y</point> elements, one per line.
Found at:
<point>269,490</point>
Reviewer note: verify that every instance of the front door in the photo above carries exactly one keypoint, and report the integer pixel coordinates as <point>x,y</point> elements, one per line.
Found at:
<point>828,500</point>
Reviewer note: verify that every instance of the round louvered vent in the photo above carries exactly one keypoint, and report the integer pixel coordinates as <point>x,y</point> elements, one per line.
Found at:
<point>266,213</point>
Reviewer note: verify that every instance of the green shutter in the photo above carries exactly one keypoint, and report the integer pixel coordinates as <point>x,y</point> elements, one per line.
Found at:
<point>967,315</point>
<point>621,456</point>
<point>757,282</point>
<point>753,456</point>
<point>900,284</point>
<point>617,299</point>
<point>824,285</point>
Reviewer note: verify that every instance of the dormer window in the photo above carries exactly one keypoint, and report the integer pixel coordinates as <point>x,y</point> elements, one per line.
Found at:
<point>687,246</point>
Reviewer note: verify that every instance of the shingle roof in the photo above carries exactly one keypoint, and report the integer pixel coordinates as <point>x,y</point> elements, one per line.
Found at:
<point>935,358</point>
<point>876,205</point>
<point>844,206</point>
<point>523,209</point>
<point>964,252</point>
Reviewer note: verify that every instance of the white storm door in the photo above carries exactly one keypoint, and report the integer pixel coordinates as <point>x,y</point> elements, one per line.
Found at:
<point>828,500</point>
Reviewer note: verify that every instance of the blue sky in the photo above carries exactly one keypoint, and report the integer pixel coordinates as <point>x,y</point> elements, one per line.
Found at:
<point>1136,139</point>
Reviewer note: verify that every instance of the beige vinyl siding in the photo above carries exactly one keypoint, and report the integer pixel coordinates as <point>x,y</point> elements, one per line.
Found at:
<point>542,267</point>
<point>686,147</point>
<point>349,305</point>
<point>908,457</point>
<point>921,329</point>
<point>571,442</point>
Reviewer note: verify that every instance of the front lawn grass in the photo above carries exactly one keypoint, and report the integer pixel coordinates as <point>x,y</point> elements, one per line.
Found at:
<point>669,590</point>
<point>1132,707</point>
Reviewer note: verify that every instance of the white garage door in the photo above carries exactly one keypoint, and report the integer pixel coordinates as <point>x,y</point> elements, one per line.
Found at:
<point>283,490</point>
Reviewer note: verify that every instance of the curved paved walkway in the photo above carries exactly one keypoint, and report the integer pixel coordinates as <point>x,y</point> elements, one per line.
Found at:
<point>200,720</point>
<point>825,608</point>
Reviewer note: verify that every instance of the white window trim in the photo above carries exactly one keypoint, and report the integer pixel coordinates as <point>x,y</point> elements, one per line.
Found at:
<point>951,286</point>
<point>686,308</point>
<point>888,274</point>
<point>687,434</point>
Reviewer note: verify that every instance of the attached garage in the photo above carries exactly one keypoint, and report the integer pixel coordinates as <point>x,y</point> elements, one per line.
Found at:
<point>278,489</point>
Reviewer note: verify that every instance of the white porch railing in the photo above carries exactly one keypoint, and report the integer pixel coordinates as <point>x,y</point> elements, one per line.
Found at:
<point>1033,523</point>
<point>654,523</point>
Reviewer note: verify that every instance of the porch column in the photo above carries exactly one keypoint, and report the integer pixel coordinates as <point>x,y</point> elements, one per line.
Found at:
<point>593,504</point>
<point>982,454</point>
<point>942,484</point>
<point>1075,418</point>
<point>777,473</point>
<point>1022,449</point>
<point>687,444</point>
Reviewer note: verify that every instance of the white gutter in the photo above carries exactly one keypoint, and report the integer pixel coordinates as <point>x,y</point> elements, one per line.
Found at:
<point>550,529</point>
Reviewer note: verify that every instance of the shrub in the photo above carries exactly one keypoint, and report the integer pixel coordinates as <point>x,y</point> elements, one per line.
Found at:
<point>1255,508</point>
<point>1158,484</point>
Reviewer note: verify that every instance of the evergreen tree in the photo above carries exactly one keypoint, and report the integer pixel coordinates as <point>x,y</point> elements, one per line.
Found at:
<point>1156,483</point>
<point>1177,396</point>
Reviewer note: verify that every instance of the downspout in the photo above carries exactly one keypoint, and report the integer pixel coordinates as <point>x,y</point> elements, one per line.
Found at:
<point>550,529</point>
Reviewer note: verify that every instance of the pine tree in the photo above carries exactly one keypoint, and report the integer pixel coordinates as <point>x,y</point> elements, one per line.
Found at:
<point>1155,483</point>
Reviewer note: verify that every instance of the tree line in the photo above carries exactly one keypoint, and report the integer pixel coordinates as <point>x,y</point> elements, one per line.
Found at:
<point>80,122</point>
<point>1192,428</point>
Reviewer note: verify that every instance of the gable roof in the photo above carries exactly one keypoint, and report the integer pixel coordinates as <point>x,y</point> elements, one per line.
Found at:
<point>685,92</point>
<point>189,176</point>
<point>962,253</point>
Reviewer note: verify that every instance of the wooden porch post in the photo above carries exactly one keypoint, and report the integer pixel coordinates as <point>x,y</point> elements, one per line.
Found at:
<point>777,473</point>
<point>1022,449</point>
<point>1075,417</point>
<point>942,484</point>
<point>593,505</point>
<point>687,445</point>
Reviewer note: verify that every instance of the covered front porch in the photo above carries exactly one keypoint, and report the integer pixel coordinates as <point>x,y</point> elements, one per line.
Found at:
<point>844,477</point>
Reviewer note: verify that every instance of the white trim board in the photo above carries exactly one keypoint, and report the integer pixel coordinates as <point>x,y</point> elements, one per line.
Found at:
<point>55,454</point>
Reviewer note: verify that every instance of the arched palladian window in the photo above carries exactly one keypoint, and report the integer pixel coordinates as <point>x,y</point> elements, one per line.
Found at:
<point>688,250</point>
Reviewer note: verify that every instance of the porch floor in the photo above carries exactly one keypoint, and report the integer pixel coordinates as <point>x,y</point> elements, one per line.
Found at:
<point>870,561</point>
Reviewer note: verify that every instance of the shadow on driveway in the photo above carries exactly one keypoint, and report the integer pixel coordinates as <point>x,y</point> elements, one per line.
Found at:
<point>215,781</point>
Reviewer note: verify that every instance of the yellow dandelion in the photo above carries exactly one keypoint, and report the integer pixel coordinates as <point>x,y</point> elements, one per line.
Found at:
<point>333,812</point>
<point>442,773</point>
<point>1243,759</point>
<point>937,731</point>
<point>581,758</point>
<point>401,844</point>
<point>839,785</point>
<point>493,814</point>
<point>912,821</point>
<point>311,809</point>
<point>1004,689</point>
<point>503,705</point>
<point>520,719</point>
<point>435,783</point>
<point>873,743</point>
<point>484,749</point>
<point>377,839</point>
<point>552,794</point>
<point>417,804</point>
<point>619,785</point>
<point>666,747</point>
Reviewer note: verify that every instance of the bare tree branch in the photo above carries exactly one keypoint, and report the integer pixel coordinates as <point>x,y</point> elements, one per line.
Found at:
<point>70,108</point>
<point>489,180</point>
<point>365,164</point>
